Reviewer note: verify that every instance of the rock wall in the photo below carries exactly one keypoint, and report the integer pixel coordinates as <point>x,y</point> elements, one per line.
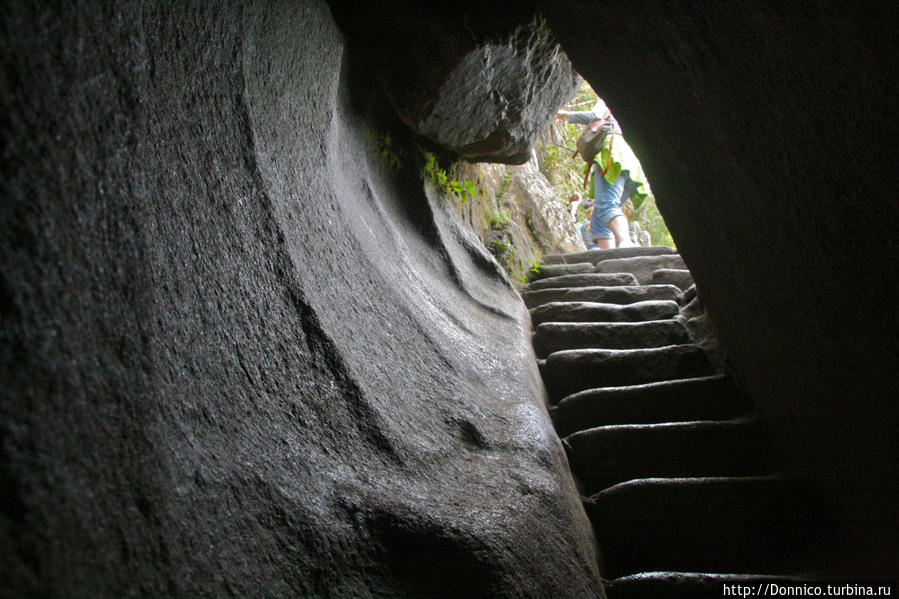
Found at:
<point>767,133</point>
<point>518,214</point>
<point>480,80</point>
<point>240,355</point>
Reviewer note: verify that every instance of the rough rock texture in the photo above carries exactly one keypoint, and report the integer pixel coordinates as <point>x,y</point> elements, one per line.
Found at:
<point>546,271</point>
<point>555,336</point>
<point>598,312</point>
<point>585,280</point>
<point>768,134</point>
<point>610,295</point>
<point>480,80</point>
<point>240,357</point>
<point>678,585</point>
<point>517,205</point>
<point>596,256</point>
<point>679,277</point>
<point>545,215</point>
<point>642,267</point>
<point>569,371</point>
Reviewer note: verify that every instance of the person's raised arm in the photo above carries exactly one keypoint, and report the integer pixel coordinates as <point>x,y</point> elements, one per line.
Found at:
<point>599,112</point>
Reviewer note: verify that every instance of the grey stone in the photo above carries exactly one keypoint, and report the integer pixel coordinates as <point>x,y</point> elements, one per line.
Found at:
<point>717,524</point>
<point>486,87</point>
<point>553,259</point>
<point>543,213</point>
<point>673,276</point>
<point>606,295</point>
<point>570,371</point>
<point>705,398</point>
<point>583,280</point>
<point>519,201</point>
<point>597,312</point>
<point>550,337</point>
<point>595,256</point>
<point>555,270</point>
<point>603,456</point>
<point>642,267</point>
<point>692,585</point>
<point>241,357</point>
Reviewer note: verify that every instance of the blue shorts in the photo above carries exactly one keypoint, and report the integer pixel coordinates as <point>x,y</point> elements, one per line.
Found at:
<point>609,198</point>
<point>585,235</point>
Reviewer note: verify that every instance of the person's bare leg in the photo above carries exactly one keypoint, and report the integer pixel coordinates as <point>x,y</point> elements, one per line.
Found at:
<point>605,244</point>
<point>618,225</point>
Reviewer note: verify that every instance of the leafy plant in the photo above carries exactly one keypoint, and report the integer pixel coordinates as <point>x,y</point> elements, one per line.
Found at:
<point>463,188</point>
<point>507,180</point>
<point>500,246</point>
<point>649,216</point>
<point>441,179</point>
<point>432,170</point>
<point>500,222</point>
<point>383,145</point>
<point>565,172</point>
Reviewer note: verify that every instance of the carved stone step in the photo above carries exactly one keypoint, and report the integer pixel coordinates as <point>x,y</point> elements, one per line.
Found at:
<point>584,280</point>
<point>556,336</point>
<point>570,371</point>
<point>552,259</point>
<point>554,270</point>
<point>693,585</point>
<point>679,277</point>
<point>595,256</point>
<point>604,456</point>
<point>642,267</point>
<point>609,295</point>
<point>598,312</point>
<point>753,524</point>
<point>705,398</point>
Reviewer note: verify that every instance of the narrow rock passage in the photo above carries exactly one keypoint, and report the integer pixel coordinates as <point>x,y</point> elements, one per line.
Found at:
<point>680,481</point>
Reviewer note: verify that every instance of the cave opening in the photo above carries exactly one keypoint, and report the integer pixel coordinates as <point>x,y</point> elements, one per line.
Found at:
<point>215,384</point>
<point>567,170</point>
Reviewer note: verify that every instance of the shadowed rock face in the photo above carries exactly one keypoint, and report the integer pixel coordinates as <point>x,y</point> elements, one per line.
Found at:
<point>479,80</point>
<point>241,356</point>
<point>767,133</point>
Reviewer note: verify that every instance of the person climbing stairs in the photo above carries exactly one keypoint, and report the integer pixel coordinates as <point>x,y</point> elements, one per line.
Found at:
<point>685,489</point>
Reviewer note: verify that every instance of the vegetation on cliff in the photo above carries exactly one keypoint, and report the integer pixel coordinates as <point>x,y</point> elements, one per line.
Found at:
<point>519,212</point>
<point>565,170</point>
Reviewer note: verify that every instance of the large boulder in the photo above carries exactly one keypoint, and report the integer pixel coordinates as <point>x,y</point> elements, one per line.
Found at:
<point>240,355</point>
<point>482,81</point>
<point>545,213</point>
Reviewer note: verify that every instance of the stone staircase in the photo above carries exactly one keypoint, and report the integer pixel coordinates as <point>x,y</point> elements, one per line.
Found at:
<point>682,484</point>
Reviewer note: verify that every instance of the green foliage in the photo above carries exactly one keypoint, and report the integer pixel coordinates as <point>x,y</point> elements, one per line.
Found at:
<point>529,223</point>
<point>534,264</point>
<point>500,222</point>
<point>557,162</point>
<point>383,145</point>
<point>507,180</point>
<point>441,179</point>
<point>499,246</point>
<point>432,170</point>
<point>565,172</point>
<point>649,216</point>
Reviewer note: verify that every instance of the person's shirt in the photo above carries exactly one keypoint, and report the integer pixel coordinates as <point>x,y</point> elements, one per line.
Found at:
<point>599,112</point>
